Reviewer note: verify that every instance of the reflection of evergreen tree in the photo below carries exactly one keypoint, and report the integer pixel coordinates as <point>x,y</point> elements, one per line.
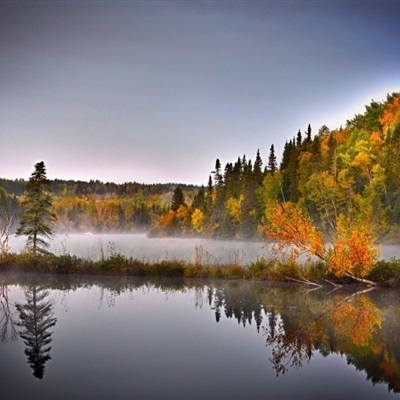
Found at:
<point>36,318</point>
<point>236,301</point>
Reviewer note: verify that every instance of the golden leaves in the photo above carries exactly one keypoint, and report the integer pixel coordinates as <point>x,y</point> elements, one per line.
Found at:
<point>353,253</point>
<point>292,230</point>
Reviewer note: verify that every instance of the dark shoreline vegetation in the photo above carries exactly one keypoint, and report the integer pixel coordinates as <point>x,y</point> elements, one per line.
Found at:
<point>385,273</point>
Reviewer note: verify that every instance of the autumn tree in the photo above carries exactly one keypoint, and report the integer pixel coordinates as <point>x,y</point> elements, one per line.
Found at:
<point>353,253</point>
<point>37,217</point>
<point>291,230</point>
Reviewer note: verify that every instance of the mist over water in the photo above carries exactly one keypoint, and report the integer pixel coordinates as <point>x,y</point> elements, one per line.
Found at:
<point>95,246</point>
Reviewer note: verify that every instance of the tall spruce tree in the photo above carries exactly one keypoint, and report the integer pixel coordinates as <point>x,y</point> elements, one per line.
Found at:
<point>272,164</point>
<point>257,171</point>
<point>178,199</point>
<point>36,319</point>
<point>36,217</point>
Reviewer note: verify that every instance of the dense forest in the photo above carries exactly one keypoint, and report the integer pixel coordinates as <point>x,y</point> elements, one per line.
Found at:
<point>349,172</point>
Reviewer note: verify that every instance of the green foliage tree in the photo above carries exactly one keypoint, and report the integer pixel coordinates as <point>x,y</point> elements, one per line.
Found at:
<point>37,217</point>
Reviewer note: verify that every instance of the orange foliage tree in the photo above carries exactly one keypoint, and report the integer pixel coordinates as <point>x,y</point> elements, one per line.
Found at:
<point>356,320</point>
<point>353,253</point>
<point>291,230</point>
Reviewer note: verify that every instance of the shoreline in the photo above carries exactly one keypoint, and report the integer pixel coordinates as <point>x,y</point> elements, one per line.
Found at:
<point>313,274</point>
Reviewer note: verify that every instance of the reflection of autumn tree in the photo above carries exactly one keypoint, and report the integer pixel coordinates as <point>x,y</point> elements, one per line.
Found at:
<point>350,322</point>
<point>36,318</point>
<point>7,325</point>
<point>356,320</point>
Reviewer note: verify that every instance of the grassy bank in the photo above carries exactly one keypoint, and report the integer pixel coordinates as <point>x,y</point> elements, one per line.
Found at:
<point>385,273</point>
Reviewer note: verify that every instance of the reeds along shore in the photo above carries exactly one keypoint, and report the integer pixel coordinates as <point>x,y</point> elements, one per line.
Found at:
<point>384,273</point>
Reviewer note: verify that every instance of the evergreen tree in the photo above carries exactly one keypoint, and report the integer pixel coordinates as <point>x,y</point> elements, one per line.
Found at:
<point>217,174</point>
<point>287,151</point>
<point>272,165</point>
<point>177,199</point>
<point>36,318</point>
<point>258,175</point>
<point>36,217</point>
<point>299,139</point>
<point>199,200</point>
<point>308,134</point>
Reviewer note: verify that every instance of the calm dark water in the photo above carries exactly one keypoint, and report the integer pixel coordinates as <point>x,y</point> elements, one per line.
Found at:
<point>126,338</point>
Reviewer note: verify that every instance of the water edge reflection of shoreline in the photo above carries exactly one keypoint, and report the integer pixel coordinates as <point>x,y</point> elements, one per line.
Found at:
<point>295,323</point>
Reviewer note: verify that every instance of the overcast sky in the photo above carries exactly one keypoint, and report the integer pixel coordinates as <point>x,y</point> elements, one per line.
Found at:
<point>155,91</point>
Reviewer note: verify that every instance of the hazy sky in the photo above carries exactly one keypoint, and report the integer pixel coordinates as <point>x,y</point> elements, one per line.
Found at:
<point>155,91</point>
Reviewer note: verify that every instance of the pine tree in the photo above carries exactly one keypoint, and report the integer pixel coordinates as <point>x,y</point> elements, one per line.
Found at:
<point>199,200</point>
<point>299,139</point>
<point>37,218</point>
<point>36,318</point>
<point>258,175</point>
<point>272,165</point>
<point>308,134</point>
<point>177,199</point>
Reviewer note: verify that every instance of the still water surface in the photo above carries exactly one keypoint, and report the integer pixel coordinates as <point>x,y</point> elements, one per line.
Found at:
<point>129,338</point>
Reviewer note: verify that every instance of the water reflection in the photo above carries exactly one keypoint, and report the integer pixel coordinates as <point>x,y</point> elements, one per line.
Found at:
<point>8,331</point>
<point>36,319</point>
<point>350,322</point>
<point>298,325</point>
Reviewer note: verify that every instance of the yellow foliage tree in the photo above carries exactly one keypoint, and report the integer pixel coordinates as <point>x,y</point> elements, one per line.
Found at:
<point>184,216</point>
<point>353,253</point>
<point>198,220</point>
<point>233,206</point>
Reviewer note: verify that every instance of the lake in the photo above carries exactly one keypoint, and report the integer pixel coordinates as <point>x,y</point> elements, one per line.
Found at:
<point>66,337</point>
<point>93,246</point>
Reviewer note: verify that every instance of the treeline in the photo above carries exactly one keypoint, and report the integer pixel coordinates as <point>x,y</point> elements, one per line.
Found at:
<point>96,206</point>
<point>71,188</point>
<point>349,172</point>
